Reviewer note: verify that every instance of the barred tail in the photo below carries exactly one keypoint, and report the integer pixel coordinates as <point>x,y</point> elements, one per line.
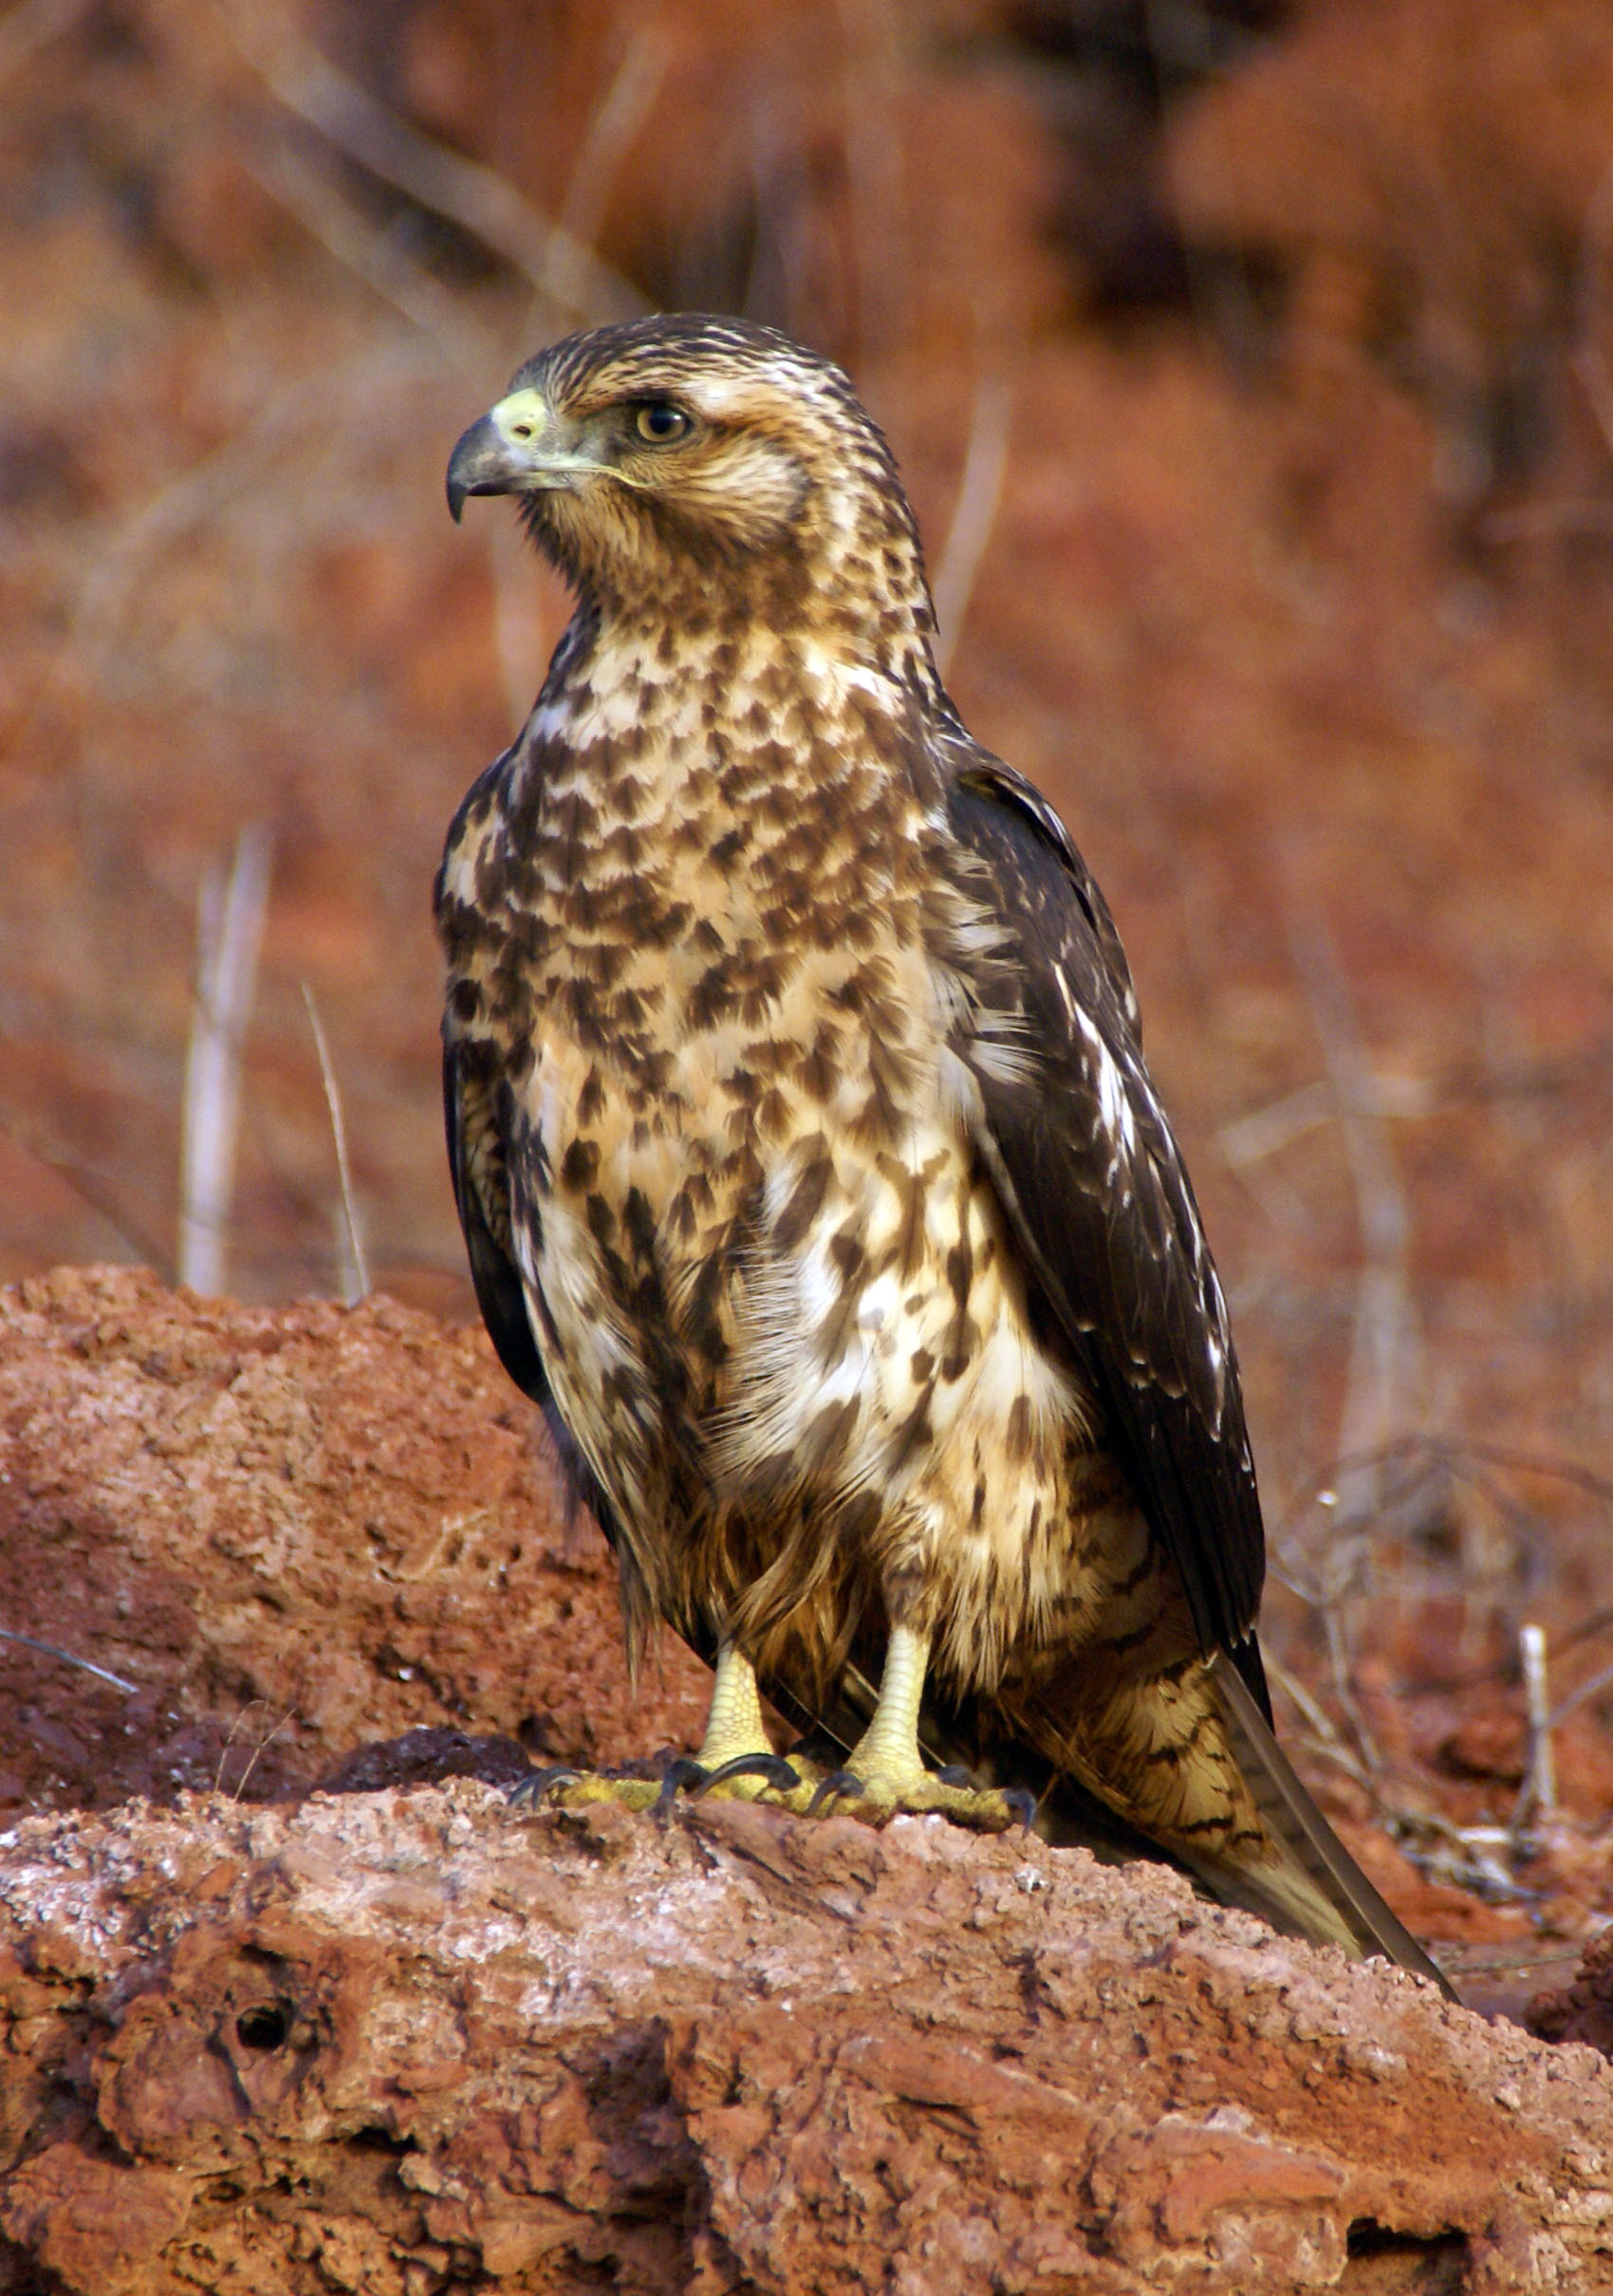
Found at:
<point>1313,1887</point>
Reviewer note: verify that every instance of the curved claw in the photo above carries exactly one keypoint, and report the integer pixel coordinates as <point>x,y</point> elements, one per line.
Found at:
<point>955,1774</point>
<point>840,1785</point>
<point>537,1784</point>
<point>685,1776</point>
<point>1023,1800</point>
<point>773,1768</point>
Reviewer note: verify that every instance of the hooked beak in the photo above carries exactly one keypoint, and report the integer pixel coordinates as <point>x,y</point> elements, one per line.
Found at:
<point>518,449</point>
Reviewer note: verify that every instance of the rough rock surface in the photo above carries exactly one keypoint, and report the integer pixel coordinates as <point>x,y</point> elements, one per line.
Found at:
<point>403,2043</point>
<point>291,1529</point>
<point>387,2038</point>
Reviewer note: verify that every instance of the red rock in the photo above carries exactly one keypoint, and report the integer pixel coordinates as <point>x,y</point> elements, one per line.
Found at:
<point>739,2052</point>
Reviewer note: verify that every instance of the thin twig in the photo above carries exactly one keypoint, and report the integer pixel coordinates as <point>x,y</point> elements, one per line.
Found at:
<point>481,202</point>
<point>230,921</point>
<point>1265,1131</point>
<point>1383,1348</point>
<point>51,1650</point>
<point>373,257</point>
<point>355,1274</point>
<point>1325,1733</point>
<point>93,1191</point>
<point>229,1740</point>
<point>979,491</point>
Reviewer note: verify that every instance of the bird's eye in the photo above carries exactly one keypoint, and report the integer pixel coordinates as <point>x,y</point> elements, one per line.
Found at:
<point>660,423</point>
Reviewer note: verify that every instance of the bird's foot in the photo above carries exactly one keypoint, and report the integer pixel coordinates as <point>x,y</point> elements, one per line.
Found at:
<point>876,1792</point>
<point>753,1775</point>
<point>562,1787</point>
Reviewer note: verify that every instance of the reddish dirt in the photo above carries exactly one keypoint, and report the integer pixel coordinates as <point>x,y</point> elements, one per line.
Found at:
<point>403,2043</point>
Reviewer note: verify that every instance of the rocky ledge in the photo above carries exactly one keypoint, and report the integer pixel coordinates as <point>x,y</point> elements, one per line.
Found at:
<point>404,2042</point>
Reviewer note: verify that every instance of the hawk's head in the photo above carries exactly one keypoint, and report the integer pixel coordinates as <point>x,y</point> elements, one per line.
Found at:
<point>696,465</point>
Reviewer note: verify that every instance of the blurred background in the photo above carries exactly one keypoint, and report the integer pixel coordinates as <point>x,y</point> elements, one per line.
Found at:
<point>1251,364</point>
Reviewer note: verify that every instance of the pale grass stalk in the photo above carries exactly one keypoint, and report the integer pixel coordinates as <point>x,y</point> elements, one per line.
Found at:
<point>1324,1736</point>
<point>979,491</point>
<point>261,1747</point>
<point>375,257</point>
<point>1537,1796</point>
<point>562,282</point>
<point>230,935</point>
<point>353,1273</point>
<point>1385,1365</point>
<point>1248,1140</point>
<point>1599,1681</point>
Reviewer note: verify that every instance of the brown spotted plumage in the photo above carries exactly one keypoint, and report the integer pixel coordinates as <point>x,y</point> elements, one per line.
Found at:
<point>811,1172</point>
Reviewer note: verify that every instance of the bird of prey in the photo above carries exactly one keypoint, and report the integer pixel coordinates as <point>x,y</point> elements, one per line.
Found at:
<point>812,1176</point>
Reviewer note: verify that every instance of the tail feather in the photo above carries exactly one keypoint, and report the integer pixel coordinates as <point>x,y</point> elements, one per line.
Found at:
<point>1318,1889</point>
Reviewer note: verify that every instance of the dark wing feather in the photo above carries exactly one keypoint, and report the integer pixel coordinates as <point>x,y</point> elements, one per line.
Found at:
<point>1076,1140</point>
<point>474,1100</point>
<point>476,1162</point>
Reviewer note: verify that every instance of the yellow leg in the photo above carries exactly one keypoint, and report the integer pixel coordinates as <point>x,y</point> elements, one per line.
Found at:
<point>733,1723</point>
<point>885,1772</point>
<point>886,1759</point>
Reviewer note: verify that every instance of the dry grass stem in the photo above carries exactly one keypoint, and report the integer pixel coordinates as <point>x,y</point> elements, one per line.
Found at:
<point>1264,1132</point>
<point>230,935</point>
<point>1600,1681</point>
<point>1324,1738</point>
<point>355,1275</point>
<point>375,257</point>
<point>259,1750</point>
<point>979,491</point>
<point>1385,1377</point>
<point>1537,1796</point>
<point>563,283</point>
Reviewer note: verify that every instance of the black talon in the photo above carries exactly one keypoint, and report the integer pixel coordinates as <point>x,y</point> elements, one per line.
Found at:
<point>773,1768</point>
<point>840,1785</point>
<point>955,1774</point>
<point>684,1775</point>
<point>1023,1800</point>
<point>538,1782</point>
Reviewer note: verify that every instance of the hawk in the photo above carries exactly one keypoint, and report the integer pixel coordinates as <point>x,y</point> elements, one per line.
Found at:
<point>812,1176</point>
